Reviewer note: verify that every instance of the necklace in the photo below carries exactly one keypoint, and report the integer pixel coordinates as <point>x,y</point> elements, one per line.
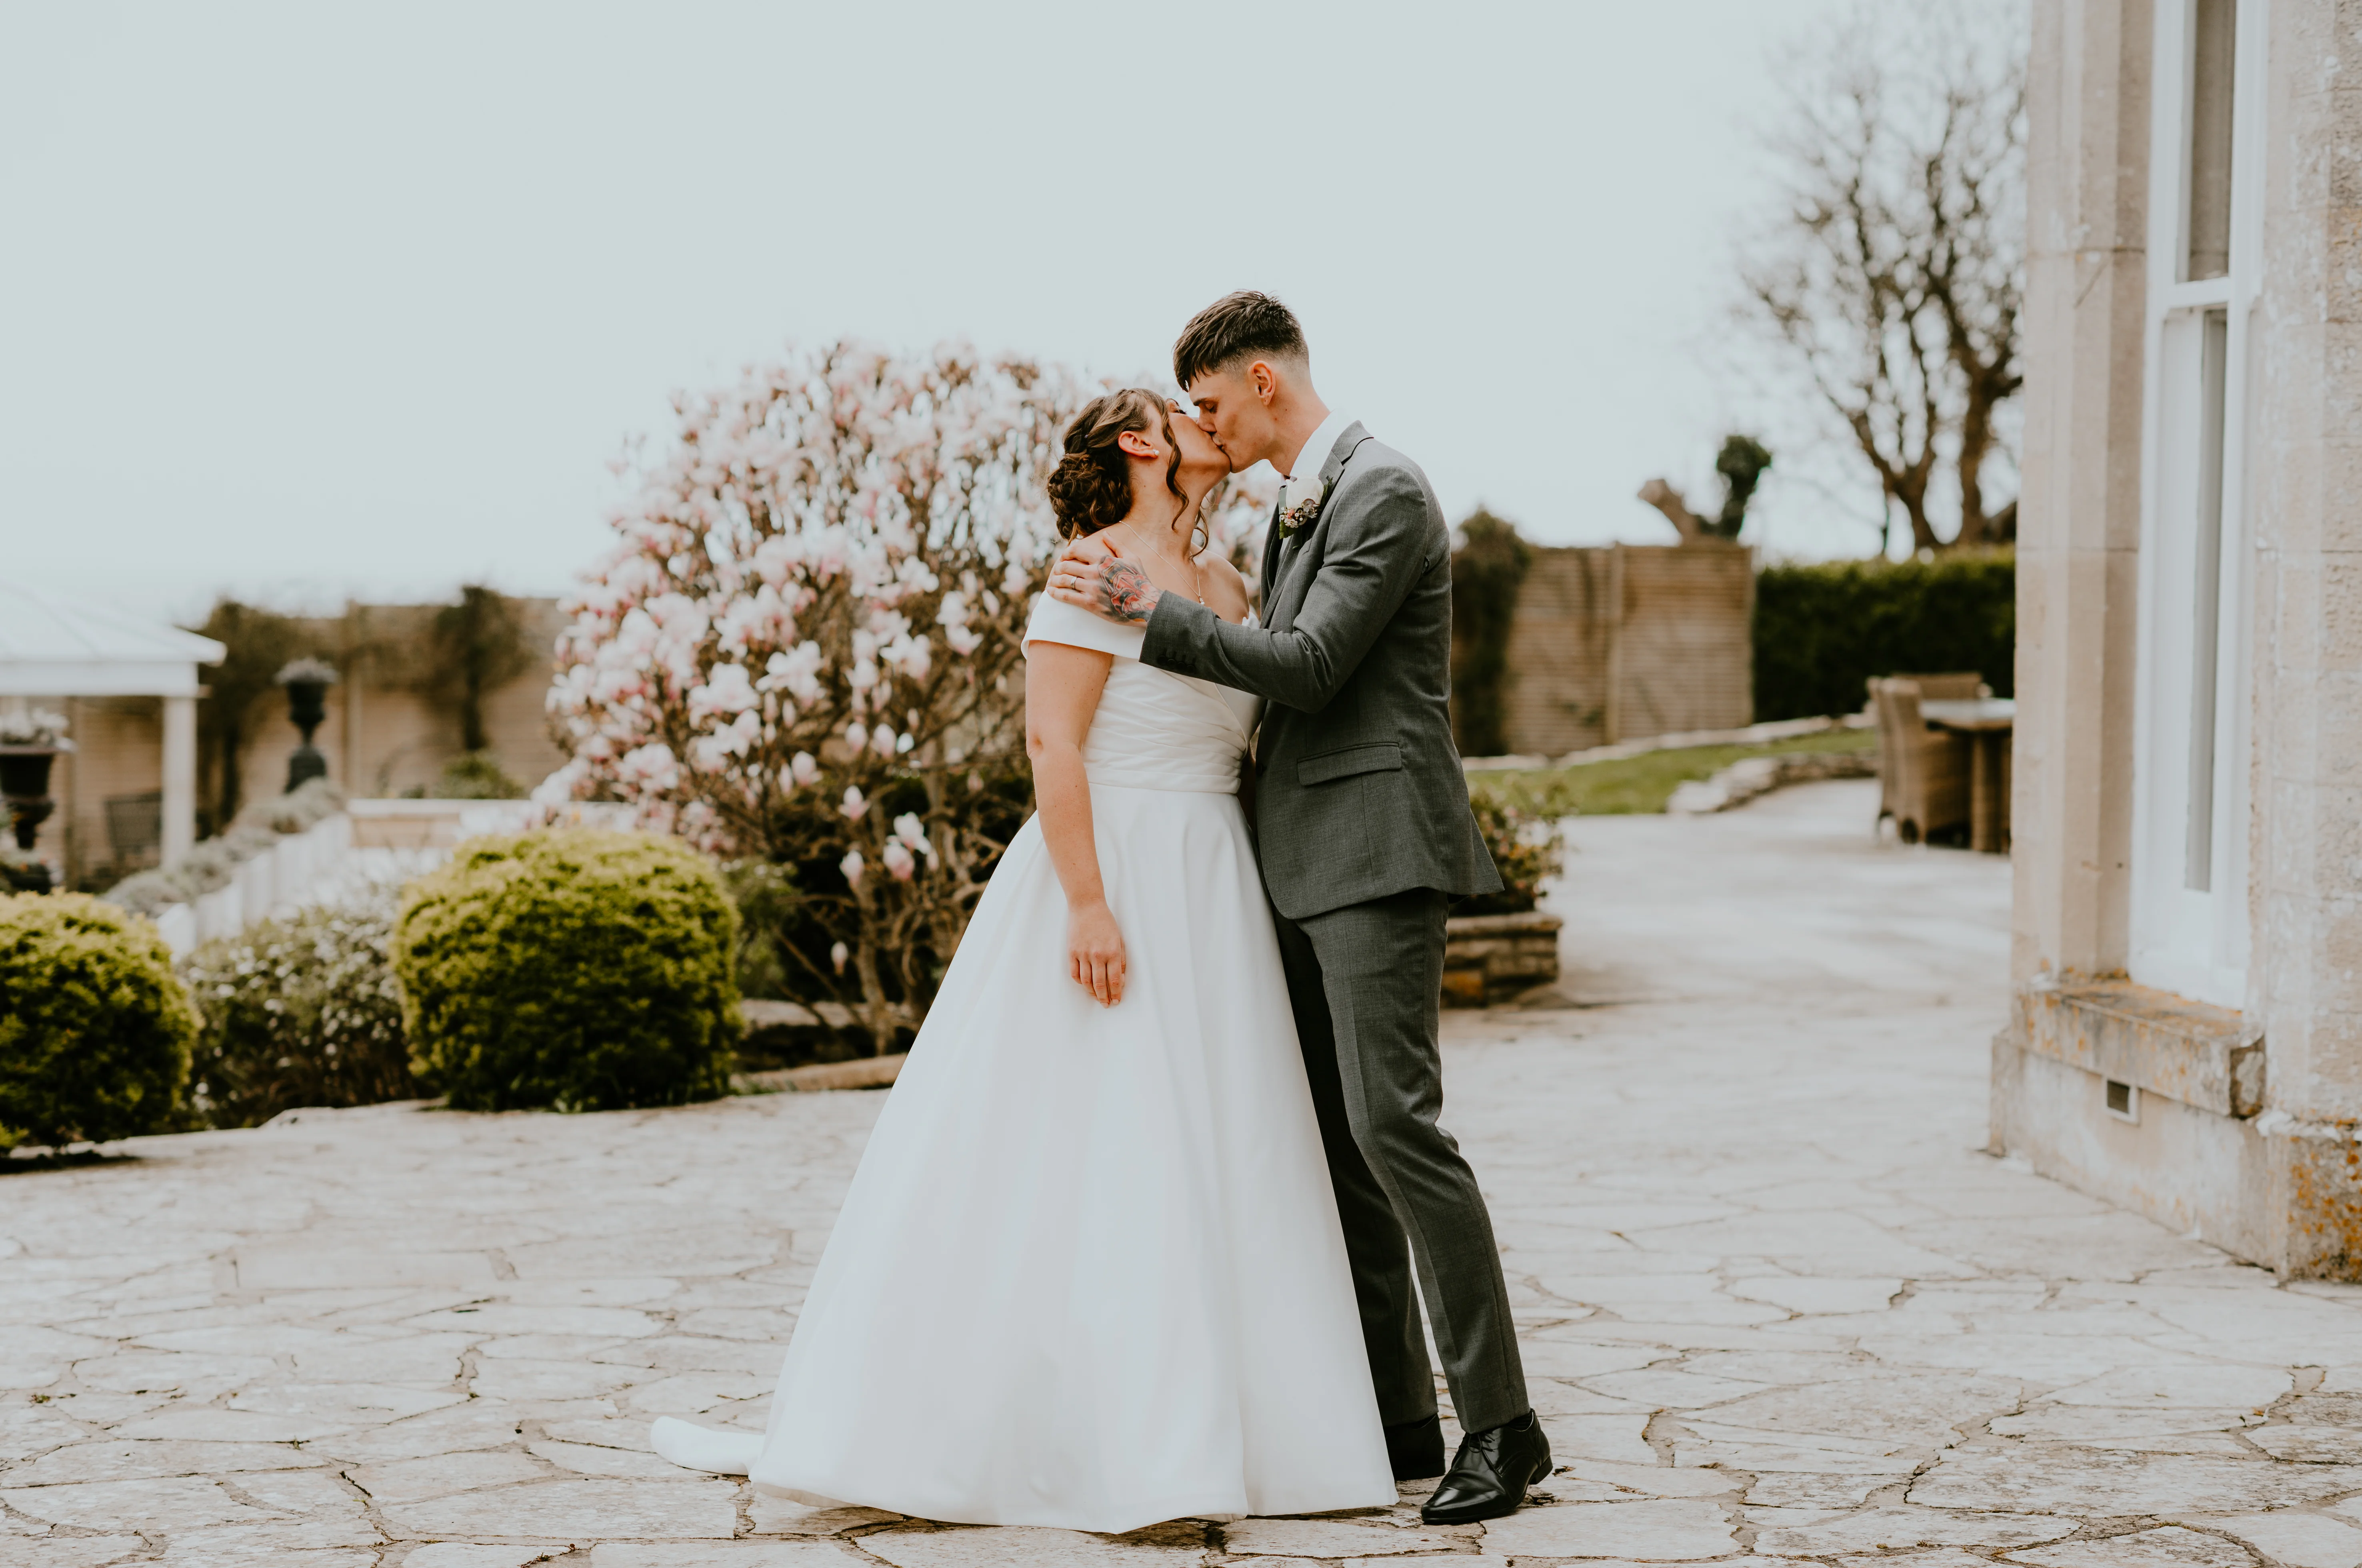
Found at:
<point>1197,572</point>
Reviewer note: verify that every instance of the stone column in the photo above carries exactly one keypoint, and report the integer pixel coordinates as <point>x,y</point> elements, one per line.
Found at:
<point>179,823</point>
<point>2305,500</point>
<point>2078,529</point>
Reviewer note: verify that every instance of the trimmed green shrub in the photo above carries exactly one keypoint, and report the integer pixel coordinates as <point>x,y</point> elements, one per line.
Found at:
<point>1487,568</point>
<point>1822,631</point>
<point>95,1030</point>
<point>576,969</point>
<point>299,1011</point>
<point>476,775</point>
<point>1526,851</point>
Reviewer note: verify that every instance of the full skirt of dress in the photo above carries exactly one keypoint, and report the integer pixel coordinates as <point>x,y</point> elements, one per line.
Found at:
<point>1089,1272</point>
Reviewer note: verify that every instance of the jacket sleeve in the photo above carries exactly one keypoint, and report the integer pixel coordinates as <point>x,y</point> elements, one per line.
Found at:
<point>1374,550</point>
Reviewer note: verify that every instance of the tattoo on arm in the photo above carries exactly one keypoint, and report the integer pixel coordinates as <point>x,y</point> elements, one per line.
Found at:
<point>1124,592</point>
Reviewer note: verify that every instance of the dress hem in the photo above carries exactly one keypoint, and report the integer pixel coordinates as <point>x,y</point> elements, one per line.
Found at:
<point>1160,1512</point>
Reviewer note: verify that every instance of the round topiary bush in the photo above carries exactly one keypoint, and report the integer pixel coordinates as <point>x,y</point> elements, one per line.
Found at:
<point>95,1030</point>
<point>577,969</point>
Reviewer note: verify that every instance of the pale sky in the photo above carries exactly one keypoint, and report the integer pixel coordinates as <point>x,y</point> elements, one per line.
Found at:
<point>305,301</point>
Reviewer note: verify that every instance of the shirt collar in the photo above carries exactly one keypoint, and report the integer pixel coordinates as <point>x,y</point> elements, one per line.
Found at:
<point>1322,442</point>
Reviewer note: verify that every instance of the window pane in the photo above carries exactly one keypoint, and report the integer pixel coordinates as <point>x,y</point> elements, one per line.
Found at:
<point>2206,602</point>
<point>2213,46</point>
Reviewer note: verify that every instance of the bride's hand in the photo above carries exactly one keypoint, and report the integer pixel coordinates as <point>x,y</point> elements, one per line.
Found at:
<point>1095,953</point>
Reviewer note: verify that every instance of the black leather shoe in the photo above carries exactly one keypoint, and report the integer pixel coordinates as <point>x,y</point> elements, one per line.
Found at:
<point>1491,1473</point>
<point>1415,1447</point>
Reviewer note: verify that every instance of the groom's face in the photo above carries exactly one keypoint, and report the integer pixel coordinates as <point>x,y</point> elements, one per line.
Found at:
<point>1230,411</point>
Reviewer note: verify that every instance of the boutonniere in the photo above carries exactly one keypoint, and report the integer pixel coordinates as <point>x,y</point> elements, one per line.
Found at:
<point>1300,502</point>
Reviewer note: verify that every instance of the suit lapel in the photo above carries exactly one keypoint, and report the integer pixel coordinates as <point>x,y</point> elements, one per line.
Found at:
<point>1296,544</point>
<point>1339,455</point>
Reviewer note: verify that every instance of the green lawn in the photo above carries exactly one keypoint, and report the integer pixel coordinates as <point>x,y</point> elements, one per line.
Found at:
<point>1641,783</point>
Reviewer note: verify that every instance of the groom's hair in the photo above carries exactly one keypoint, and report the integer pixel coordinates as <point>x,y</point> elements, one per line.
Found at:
<point>1244,326</point>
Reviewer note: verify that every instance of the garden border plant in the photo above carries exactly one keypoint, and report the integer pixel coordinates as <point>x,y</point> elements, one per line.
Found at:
<point>212,863</point>
<point>296,1012</point>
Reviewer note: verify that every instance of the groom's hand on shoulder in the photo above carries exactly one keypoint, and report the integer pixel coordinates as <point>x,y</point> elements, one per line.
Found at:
<point>1088,573</point>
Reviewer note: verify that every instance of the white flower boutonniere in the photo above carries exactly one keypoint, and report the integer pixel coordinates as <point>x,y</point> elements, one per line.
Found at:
<point>1300,502</point>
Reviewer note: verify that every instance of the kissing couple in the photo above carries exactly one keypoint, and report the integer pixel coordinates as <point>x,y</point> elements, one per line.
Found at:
<point>1143,1229</point>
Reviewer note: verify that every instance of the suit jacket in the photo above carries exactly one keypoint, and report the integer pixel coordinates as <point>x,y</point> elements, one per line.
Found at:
<point>1358,791</point>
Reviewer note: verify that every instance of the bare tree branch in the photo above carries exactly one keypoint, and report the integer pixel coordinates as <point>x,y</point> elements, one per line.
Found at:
<point>1893,273</point>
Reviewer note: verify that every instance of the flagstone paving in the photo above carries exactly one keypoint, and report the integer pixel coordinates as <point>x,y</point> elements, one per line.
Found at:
<point>1775,1300</point>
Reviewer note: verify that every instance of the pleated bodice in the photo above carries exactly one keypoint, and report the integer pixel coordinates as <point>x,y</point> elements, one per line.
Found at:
<point>1153,730</point>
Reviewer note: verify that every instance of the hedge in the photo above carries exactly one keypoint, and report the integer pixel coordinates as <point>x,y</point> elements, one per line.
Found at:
<point>95,1030</point>
<point>1822,631</point>
<point>1486,571</point>
<point>579,970</point>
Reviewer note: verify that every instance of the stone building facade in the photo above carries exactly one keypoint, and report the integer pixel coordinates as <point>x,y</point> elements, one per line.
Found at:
<point>2186,1036</point>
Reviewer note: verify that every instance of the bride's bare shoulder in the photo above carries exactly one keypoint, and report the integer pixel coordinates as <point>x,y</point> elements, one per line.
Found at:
<point>1226,591</point>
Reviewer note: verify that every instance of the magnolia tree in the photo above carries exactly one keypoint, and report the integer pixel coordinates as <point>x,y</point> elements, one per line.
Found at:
<point>805,647</point>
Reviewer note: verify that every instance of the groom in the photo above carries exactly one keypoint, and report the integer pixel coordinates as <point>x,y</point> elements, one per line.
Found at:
<point>1364,832</point>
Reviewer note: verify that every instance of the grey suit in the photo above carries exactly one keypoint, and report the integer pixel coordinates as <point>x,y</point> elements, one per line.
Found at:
<point>1363,829</point>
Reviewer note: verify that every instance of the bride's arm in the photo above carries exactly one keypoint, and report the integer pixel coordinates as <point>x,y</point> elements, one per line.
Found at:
<point>1062,692</point>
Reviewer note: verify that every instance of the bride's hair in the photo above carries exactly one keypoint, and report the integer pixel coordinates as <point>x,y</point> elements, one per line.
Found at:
<point>1091,487</point>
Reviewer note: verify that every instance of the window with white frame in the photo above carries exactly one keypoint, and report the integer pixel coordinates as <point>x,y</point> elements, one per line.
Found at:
<point>2188,916</point>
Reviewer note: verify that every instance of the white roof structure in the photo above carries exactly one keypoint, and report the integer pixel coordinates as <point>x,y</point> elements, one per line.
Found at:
<point>54,646</point>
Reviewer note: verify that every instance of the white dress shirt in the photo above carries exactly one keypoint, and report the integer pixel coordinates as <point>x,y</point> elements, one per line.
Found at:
<point>1304,484</point>
<point>1314,452</point>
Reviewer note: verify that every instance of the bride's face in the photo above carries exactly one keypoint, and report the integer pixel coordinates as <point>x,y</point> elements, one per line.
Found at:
<point>1201,457</point>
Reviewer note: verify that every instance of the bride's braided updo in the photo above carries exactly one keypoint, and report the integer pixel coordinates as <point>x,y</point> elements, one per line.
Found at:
<point>1091,487</point>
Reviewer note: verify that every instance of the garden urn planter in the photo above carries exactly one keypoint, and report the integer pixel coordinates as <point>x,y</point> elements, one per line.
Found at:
<point>25,783</point>
<point>25,789</point>
<point>307,681</point>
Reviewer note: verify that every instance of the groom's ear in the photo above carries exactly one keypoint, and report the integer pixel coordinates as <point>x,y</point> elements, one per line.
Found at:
<point>1265,381</point>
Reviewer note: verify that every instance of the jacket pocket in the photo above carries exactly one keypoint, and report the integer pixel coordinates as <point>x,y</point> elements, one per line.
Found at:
<point>1379,757</point>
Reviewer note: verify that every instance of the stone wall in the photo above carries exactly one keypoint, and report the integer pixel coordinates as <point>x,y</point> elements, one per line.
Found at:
<point>1629,641</point>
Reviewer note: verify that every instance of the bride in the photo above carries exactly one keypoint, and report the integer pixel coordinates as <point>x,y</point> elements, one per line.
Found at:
<point>1089,1273</point>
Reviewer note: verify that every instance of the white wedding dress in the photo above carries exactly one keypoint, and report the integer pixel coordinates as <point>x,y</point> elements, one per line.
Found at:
<point>1089,1272</point>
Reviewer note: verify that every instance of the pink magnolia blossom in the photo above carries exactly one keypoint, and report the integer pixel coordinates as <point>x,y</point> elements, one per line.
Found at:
<point>756,659</point>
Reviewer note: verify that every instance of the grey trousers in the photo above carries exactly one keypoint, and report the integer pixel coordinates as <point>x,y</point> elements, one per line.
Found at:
<point>1365,983</point>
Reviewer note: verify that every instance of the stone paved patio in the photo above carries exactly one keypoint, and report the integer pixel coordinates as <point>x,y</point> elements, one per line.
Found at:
<point>1775,1300</point>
